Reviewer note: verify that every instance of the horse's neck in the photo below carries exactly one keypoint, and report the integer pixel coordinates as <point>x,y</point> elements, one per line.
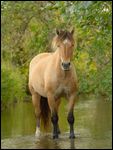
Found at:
<point>57,64</point>
<point>57,60</point>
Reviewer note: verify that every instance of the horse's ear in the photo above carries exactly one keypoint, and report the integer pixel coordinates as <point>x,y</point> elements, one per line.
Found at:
<point>57,31</point>
<point>72,31</point>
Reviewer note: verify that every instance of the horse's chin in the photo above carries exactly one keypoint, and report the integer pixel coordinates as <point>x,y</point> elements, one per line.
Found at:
<point>65,69</point>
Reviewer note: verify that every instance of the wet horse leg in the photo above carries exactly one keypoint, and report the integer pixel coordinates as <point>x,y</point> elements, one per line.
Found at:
<point>54,115</point>
<point>36,104</point>
<point>70,116</point>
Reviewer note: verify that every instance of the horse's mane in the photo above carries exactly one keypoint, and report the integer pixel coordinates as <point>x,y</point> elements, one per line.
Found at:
<point>61,37</point>
<point>65,35</point>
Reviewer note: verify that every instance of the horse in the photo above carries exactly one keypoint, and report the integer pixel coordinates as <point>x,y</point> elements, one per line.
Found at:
<point>52,75</point>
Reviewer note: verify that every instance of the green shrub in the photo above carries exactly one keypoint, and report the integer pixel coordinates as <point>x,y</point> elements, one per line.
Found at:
<point>12,84</point>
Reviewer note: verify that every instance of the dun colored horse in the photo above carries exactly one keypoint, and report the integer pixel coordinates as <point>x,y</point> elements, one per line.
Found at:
<point>51,76</point>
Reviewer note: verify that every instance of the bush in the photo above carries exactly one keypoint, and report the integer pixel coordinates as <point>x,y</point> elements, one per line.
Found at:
<point>12,84</point>
<point>28,28</point>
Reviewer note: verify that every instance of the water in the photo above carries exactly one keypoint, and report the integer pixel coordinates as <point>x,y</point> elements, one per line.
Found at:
<point>93,127</point>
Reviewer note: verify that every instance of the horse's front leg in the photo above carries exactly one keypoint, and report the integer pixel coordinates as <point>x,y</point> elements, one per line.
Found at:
<point>70,116</point>
<point>54,115</point>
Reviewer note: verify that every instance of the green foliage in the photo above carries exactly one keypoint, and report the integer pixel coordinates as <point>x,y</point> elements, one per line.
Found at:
<point>28,28</point>
<point>12,84</point>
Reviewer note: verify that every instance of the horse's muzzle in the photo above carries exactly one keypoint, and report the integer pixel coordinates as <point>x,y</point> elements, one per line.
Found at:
<point>66,66</point>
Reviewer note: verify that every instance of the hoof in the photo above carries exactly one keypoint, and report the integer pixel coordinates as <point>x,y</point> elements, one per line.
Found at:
<point>55,136</point>
<point>72,136</point>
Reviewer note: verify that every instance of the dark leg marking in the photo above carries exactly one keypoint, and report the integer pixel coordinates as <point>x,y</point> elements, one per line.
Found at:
<point>54,120</point>
<point>70,119</point>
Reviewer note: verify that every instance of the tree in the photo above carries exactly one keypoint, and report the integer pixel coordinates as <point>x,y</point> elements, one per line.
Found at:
<point>28,28</point>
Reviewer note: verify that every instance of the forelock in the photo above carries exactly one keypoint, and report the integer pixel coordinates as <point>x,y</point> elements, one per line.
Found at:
<point>64,35</point>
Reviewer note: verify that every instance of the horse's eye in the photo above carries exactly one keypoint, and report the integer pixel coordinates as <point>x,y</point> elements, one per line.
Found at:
<point>72,45</point>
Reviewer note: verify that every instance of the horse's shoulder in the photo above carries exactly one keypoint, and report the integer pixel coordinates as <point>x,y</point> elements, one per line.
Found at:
<point>38,57</point>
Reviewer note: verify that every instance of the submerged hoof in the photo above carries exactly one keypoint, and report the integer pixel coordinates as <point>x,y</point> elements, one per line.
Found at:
<point>55,136</point>
<point>72,136</point>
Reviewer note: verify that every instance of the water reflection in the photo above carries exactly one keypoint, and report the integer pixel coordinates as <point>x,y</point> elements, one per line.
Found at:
<point>18,120</point>
<point>72,144</point>
<point>93,127</point>
<point>44,142</point>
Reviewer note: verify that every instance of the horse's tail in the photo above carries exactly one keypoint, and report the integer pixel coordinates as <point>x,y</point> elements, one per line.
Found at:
<point>45,112</point>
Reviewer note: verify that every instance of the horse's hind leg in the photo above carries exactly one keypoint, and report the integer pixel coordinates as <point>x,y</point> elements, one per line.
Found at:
<point>57,107</point>
<point>36,102</point>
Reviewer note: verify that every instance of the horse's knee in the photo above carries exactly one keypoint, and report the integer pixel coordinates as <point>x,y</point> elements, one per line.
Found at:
<point>70,118</point>
<point>54,118</point>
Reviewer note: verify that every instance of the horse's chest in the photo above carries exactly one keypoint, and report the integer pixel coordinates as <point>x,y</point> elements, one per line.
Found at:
<point>62,90</point>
